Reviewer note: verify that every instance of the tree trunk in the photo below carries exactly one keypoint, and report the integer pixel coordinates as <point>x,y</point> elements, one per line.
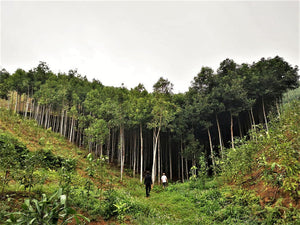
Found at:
<point>231,130</point>
<point>158,161</point>
<point>122,149</point>
<point>96,150</point>
<point>54,122</point>
<point>10,98</point>
<point>90,144</point>
<point>155,136</point>
<point>20,104</point>
<point>170,160</point>
<point>119,150</point>
<point>62,121</point>
<point>277,107</point>
<point>41,120</point>
<point>253,120</point>
<point>134,153</point>
<point>211,152</point>
<point>78,135</point>
<point>186,169</point>
<point>37,112</point>
<point>101,150</point>
<point>265,117</point>
<point>113,144</point>
<point>57,124</point>
<point>66,123</point>
<point>31,108</point>
<point>252,116</point>
<point>108,145</point>
<point>220,136</point>
<point>181,151</point>
<point>73,136</point>
<point>16,105</point>
<point>142,154</point>
<point>26,109</point>
<point>49,117</point>
<point>240,127</point>
<point>71,130</point>
<point>46,117</point>
<point>178,170</point>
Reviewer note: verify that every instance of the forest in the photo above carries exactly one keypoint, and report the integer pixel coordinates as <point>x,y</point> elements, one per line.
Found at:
<point>157,131</point>
<point>75,152</point>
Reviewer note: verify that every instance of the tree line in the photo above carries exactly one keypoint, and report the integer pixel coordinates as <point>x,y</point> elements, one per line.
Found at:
<point>158,131</point>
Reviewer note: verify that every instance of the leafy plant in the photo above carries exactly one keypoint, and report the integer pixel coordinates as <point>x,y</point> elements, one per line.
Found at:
<point>66,175</point>
<point>27,175</point>
<point>193,172</point>
<point>47,211</point>
<point>121,210</point>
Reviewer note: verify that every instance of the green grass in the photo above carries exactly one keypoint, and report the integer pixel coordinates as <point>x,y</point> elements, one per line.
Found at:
<point>183,204</point>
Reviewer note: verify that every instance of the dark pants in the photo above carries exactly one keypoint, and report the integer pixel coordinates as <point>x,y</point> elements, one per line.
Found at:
<point>164,184</point>
<point>148,189</point>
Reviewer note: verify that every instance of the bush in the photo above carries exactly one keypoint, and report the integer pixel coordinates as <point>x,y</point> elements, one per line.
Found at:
<point>119,204</point>
<point>51,161</point>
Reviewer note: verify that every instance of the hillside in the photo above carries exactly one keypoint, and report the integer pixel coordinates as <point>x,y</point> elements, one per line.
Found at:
<point>269,163</point>
<point>259,182</point>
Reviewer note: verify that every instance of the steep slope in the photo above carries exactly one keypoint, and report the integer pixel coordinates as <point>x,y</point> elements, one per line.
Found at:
<point>46,165</point>
<point>269,163</point>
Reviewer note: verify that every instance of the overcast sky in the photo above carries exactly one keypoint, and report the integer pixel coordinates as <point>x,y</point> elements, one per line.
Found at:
<point>135,42</point>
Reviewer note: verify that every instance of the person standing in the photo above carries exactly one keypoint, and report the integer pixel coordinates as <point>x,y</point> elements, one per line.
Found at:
<point>148,183</point>
<point>164,180</point>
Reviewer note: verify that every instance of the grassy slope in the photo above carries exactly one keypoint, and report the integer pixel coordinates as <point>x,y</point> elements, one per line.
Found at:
<point>36,138</point>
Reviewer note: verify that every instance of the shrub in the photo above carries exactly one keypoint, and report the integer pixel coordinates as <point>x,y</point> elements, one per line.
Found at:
<point>51,161</point>
<point>119,204</point>
<point>12,155</point>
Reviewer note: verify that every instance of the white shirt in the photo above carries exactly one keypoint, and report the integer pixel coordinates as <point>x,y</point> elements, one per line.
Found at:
<point>164,178</point>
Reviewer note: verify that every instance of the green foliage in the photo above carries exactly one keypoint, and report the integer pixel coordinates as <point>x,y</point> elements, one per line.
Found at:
<point>193,172</point>
<point>12,156</point>
<point>240,160</point>
<point>26,175</point>
<point>119,203</point>
<point>291,95</point>
<point>183,203</point>
<point>66,173</point>
<point>111,198</point>
<point>54,162</point>
<point>89,203</point>
<point>4,75</point>
<point>270,157</point>
<point>4,209</point>
<point>46,211</point>
<point>121,210</point>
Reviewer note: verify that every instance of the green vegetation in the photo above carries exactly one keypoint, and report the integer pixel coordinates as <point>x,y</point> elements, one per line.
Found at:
<point>47,211</point>
<point>260,187</point>
<point>70,149</point>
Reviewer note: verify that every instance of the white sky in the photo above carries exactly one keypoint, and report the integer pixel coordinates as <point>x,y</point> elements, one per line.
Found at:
<point>135,42</point>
